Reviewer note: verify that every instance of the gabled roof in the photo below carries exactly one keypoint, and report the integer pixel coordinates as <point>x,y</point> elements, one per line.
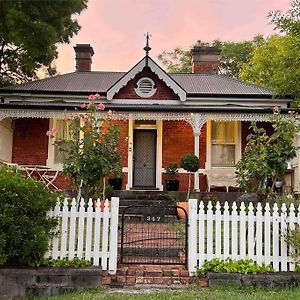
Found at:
<point>146,62</point>
<point>100,82</point>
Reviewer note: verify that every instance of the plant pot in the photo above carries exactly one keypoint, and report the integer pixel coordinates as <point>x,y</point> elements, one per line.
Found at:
<point>180,210</point>
<point>172,184</point>
<point>115,183</point>
<point>203,282</point>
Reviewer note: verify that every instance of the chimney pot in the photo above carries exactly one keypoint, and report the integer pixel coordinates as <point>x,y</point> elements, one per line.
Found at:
<point>83,57</point>
<point>205,59</point>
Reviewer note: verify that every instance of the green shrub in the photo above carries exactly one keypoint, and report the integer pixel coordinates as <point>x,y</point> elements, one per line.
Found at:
<point>24,227</point>
<point>242,266</point>
<point>65,262</point>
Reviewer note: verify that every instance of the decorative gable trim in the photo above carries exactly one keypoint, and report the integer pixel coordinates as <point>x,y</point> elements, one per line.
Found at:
<point>147,62</point>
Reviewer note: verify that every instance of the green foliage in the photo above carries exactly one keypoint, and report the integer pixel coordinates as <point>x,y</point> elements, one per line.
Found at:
<point>189,162</point>
<point>276,65</point>
<point>289,22</point>
<point>172,171</point>
<point>29,31</point>
<point>292,238</point>
<point>92,154</point>
<point>242,266</point>
<point>232,56</point>
<point>265,157</point>
<point>65,262</point>
<point>24,226</point>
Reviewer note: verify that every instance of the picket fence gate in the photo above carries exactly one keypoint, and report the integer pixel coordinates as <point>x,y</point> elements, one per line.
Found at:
<point>89,233</point>
<point>245,232</point>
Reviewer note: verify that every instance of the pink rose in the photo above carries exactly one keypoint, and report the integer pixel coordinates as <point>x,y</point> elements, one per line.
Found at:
<point>276,109</point>
<point>82,105</point>
<point>54,130</point>
<point>49,133</point>
<point>101,106</point>
<point>91,97</point>
<point>109,113</point>
<point>97,96</point>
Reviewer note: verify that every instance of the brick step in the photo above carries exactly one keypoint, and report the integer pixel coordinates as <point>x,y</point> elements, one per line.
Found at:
<point>149,274</point>
<point>150,195</point>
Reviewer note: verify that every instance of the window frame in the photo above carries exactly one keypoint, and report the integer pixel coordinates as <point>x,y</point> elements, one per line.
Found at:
<point>237,143</point>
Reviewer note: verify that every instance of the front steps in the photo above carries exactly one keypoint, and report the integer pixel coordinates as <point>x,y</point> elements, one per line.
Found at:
<point>143,198</point>
<point>134,275</point>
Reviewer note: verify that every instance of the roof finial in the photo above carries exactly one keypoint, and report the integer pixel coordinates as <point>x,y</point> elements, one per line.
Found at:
<point>147,48</point>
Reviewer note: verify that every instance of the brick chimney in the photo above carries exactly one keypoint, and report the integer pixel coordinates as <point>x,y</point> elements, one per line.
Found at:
<point>83,56</point>
<point>205,59</point>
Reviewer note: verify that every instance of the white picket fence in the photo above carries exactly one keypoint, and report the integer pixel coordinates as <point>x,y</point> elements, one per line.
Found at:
<point>89,233</point>
<point>239,233</point>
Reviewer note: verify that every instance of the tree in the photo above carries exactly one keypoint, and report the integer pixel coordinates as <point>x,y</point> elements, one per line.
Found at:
<point>92,153</point>
<point>232,56</point>
<point>289,22</point>
<point>265,158</point>
<point>29,30</point>
<point>276,65</point>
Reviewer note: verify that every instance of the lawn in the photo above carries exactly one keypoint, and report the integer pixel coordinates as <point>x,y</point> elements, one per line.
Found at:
<point>186,294</point>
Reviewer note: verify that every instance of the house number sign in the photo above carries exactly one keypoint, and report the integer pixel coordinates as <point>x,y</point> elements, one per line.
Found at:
<point>154,218</point>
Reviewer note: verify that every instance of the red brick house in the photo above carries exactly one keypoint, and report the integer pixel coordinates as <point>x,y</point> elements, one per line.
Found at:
<point>161,116</point>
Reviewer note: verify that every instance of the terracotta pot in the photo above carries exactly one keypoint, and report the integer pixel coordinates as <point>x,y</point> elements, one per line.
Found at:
<point>180,211</point>
<point>203,282</point>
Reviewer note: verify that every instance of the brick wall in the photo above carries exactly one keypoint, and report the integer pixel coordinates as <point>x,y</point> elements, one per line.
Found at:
<point>30,143</point>
<point>163,91</point>
<point>178,140</point>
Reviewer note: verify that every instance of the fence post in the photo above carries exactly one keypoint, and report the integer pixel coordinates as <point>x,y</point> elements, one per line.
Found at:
<point>113,240</point>
<point>192,236</point>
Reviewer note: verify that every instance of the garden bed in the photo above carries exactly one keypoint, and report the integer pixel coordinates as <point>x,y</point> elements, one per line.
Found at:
<point>46,281</point>
<point>266,280</point>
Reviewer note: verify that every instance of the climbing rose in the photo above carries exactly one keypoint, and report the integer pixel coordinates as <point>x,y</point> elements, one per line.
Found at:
<point>101,106</point>
<point>109,113</point>
<point>82,105</point>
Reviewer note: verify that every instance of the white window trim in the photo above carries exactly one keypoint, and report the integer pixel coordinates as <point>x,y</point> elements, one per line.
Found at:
<point>238,145</point>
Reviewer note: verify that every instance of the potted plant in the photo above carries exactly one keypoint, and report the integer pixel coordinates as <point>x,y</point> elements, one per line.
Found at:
<point>190,163</point>
<point>172,183</point>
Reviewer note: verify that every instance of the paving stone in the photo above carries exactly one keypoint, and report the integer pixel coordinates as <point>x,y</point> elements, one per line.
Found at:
<point>167,280</point>
<point>139,272</point>
<point>158,280</point>
<point>106,280</point>
<point>153,273</point>
<point>139,280</point>
<point>122,271</point>
<point>121,279</point>
<point>167,272</point>
<point>148,280</point>
<point>130,279</point>
<point>131,272</point>
<point>175,272</point>
<point>184,273</point>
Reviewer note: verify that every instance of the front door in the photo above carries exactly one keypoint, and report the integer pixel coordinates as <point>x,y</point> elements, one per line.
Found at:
<point>144,158</point>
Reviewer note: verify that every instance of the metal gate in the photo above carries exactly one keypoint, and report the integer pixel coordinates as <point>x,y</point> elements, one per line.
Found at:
<point>153,235</point>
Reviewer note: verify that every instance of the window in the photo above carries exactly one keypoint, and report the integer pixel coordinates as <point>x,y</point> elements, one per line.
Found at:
<point>223,143</point>
<point>62,133</point>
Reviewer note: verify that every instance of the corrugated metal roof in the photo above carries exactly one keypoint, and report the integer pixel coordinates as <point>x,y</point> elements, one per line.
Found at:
<point>100,82</point>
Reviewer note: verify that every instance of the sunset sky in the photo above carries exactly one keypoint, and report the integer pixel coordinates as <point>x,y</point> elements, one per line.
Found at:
<point>115,28</point>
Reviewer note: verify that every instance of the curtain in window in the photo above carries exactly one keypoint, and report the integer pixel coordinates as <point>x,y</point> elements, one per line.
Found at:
<point>62,134</point>
<point>222,144</point>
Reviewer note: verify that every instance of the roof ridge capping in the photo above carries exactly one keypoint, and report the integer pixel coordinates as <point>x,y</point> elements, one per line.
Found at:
<point>155,68</point>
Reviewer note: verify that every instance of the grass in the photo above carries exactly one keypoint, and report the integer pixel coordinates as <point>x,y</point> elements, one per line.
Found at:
<point>228,293</point>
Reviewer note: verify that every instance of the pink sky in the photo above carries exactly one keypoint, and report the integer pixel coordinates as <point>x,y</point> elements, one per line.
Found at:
<point>115,28</point>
